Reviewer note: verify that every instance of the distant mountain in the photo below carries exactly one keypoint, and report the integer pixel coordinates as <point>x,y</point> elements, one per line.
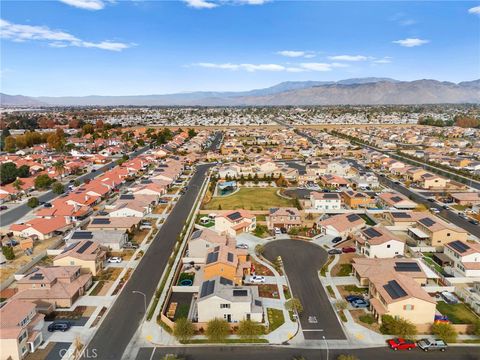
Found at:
<point>374,91</point>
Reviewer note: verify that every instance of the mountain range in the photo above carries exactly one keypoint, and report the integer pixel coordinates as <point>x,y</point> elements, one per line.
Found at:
<point>362,91</point>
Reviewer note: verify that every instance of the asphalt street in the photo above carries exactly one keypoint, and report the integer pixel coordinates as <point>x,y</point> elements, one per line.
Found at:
<point>302,261</point>
<point>447,214</point>
<point>126,315</point>
<point>288,353</point>
<point>15,214</point>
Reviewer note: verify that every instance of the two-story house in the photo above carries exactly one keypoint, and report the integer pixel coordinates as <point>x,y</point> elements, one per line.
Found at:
<point>465,257</point>
<point>379,242</point>
<point>284,217</point>
<point>87,254</point>
<point>325,201</point>
<point>235,222</point>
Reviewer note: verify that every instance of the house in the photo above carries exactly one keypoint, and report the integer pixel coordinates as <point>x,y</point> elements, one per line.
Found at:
<point>368,179</point>
<point>341,225</point>
<point>378,242</point>
<point>128,224</point>
<point>402,220</point>
<point>355,200</point>
<point>202,241</point>
<point>465,257</point>
<point>396,200</point>
<point>325,201</point>
<point>431,181</point>
<point>235,222</point>
<point>21,329</point>
<point>60,286</point>
<point>110,239</point>
<point>285,217</point>
<point>414,174</point>
<point>466,198</point>
<point>87,254</point>
<point>218,298</point>
<point>41,228</point>
<point>398,295</point>
<point>132,205</point>
<point>436,232</point>
<point>227,262</point>
<point>333,181</point>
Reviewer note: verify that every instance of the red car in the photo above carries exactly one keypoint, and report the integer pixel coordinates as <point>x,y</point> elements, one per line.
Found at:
<point>348,249</point>
<point>401,344</point>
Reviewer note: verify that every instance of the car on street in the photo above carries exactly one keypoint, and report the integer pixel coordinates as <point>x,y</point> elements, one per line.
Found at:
<point>242,246</point>
<point>401,344</point>
<point>431,199</point>
<point>47,205</point>
<point>360,303</point>
<point>59,325</point>
<point>348,249</point>
<point>257,279</point>
<point>336,240</point>
<point>351,298</point>
<point>334,251</point>
<point>114,260</point>
<point>163,201</point>
<point>445,207</point>
<point>434,210</point>
<point>3,207</point>
<point>427,344</point>
<point>473,221</point>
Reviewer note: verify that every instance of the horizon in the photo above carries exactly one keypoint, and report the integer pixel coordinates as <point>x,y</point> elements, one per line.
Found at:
<point>160,48</point>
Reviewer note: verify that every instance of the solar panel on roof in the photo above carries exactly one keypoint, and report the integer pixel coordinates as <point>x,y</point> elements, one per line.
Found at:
<point>240,292</point>
<point>127,197</point>
<point>146,182</point>
<point>394,289</point>
<point>37,276</point>
<point>230,257</point>
<point>371,232</point>
<point>234,216</point>
<point>397,198</point>
<point>406,266</point>
<point>330,196</point>
<point>216,248</point>
<point>77,235</point>
<point>459,246</point>
<point>225,281</point>
<point>401,215</point>
<point>353,217</point>
<point>84,247</point>
<point>212,257</point>
<point>427,222</point>
<point>207,288</point>
<point>101,221</point>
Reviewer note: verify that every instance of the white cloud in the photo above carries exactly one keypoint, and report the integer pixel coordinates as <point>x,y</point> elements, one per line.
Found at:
<point>474,10</point>
<point>201,4</point>
<point>294,68</point>
<point>384,60</point>
<point>55,38</point>
<point>296,53</point>
<point>349,58</point>
<point>85,4</point>
<point>411,42</point>
<point>252,2</point>
<point>322,66</point>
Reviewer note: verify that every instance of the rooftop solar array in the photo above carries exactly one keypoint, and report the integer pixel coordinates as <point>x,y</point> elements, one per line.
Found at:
<point>290,212</point>
<point>427,222</point>
<point>401,215</point>
<point>459,246</point>
<point>84,247</point>
<point>353,217</point>
<point>146,181</point>
<point>101,221</point>
<point>37,276</point>
<point>234,216</point>
<point>225,281</point>
<point>127,197</point>
<point>81,235</point>
<point>230,257</point>
<point>207,288</point>
<point>397,198</point>
<point>212,257</point>
<point>406,266</point>
<point>240,292</point>
<point>371,232</point>
<point>394,289</point>
<point>330,196</point>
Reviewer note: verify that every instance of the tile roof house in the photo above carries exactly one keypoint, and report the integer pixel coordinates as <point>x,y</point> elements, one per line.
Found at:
<point>436,232</point>
<point>402,219</point>
<point>341,225</point>
<point>222,260</point>
<point>114,223</point>
<point>396,200</point>
<point>355,200</point>
<point>41,228</point>
<point>132,205</point>
<point>432,181</point>
<point>235,222</point>
<point>110,239</point>
<point>466,198</point>
<point>284,217</point>
<point>465,257</point>
<point>202,241</point>
<point>219,298</point>
<point>87,254</point>
<point>325,201</point>
<point>21,329</point>
<point>378,242</point>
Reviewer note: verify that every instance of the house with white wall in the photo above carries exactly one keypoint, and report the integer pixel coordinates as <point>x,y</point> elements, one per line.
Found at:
<point>465,257</point>
<point>379,242</point>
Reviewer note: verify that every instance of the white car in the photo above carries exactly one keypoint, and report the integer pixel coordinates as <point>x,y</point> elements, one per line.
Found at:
<point>434,210</point>
<point>242,246</point>
<point>255,279</point>
<point>114,260</point>
<point>277,231</point>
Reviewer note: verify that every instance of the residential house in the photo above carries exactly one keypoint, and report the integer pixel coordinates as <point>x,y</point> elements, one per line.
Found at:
<point>333,181</point>
<point>284,217</point>
<point>235,222</point>
<point>379,242</point>
<point>126,224</point>
<point>132,205</point>
<point>355,200</point>
<point>396,200</point>
<point>431,181</point>
<point>465,257</point>
<point>227,262</point>
<point>436,232</point>
<point>466,198</point>
<point>41,228</point>
<point>325,201</point>
<point>87,254</point>
<point>402,220</point>
<point>341,225</point>
<point>202,241</point>
<point>110,239</point>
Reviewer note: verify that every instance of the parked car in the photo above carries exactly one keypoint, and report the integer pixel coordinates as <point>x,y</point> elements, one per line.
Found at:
<point>59,325</point>
<point>473,221</point>
<point>348,249</point>
<point>47,205</point>
<point>431,199</point>
<point>434,210</point>
<point>277,231</point>
<point>437,344</point>
<point>130,245</point>
<point>11,243</point>
<point>445,207</point>
<point>360,303</point>
<point>114,260</point>
<point>351,298</point>
<point>283,230</point>
<point>242,246</point>
<point>163,201</point>
<point>336,239</point>
<point>334,251</point>
<point>3,207</point>
<point>256,279</point>
<point>449,297</point>
<point>401,344</point>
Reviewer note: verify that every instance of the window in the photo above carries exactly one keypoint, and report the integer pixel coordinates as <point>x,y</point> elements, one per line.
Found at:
<point>224,306</point>
<point>408,307</point>
<point>22,336</point>
<point>448,234</point>
<point>388,246</point>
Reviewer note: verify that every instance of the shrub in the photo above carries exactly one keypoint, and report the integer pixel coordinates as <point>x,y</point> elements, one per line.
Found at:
<point>444,331</point>
<point>248,329</point>
<point>183,330</point>
<point>367,319</point>
<point>58,188</point>
<point>398,327</point>
<point>217,330</point>
<point>32,202</point>
<point>8,252</point>
<point>294,304</point>
<point>346,357</point>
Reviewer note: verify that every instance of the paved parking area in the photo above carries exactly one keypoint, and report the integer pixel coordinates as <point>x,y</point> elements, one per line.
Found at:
<point>302,261</point>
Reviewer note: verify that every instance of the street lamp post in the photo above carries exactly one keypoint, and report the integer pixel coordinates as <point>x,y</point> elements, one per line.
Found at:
<point>144,299</point>
<point>326,344</point>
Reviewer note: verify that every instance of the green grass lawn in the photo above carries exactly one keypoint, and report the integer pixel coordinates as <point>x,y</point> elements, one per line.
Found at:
<point>249,199</point>
<point>227,341</point>
<point>345,270</point>
<point>367,219</point>
<point>457,313</point>
<point>275,318</point>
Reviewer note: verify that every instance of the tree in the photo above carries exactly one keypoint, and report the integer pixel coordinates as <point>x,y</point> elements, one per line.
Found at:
<point>248,329</point>
<point>183,330</point>
<point>33,202</point>
<point>398,327</point>
<point>444,331</point>
<point>259,249</point>
<point>8,252</point>
<point>59,167</point>
<point>191,133</point>
<point>476,330</point>
<point>58,188</point>
<point>294,304</point>
<point>346,357</point>
<point>8,173</point>
<point>43,182</point>
<point>17,184</point>
<point>87,129</point>
<point>23,171</point>
<point>10,144</point>
<point>217,330</point>
<point>5,133</point>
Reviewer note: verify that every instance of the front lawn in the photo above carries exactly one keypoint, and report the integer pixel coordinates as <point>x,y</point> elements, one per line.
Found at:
<point>249,199</point>
<point>457,313</point>
<point>275,318</point>
<point>345,270</point>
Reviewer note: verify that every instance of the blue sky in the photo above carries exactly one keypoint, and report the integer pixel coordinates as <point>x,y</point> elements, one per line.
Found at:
<point>128,47</point>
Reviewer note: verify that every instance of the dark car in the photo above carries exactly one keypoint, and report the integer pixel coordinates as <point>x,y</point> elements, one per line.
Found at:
<point>473,221</point>
<point>348,249</point>
<point>47,205</point>
<point>3,207</point>
<point>445,207</point>
<point>351,298</point>
<point>283,230</point>
<point>360,303</point>
<point>11,243</point>
<point>334,251</point>
<point>336,239</point>
<point>59,326</point>
<point>401,344</point>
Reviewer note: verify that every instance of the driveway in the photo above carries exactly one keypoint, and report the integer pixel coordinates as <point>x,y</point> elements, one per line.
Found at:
<point>302,261</point>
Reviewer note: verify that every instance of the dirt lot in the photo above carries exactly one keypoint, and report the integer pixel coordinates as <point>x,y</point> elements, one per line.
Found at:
<point>268,291</point>
<point>261,269</point>
<point>359,312</point>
